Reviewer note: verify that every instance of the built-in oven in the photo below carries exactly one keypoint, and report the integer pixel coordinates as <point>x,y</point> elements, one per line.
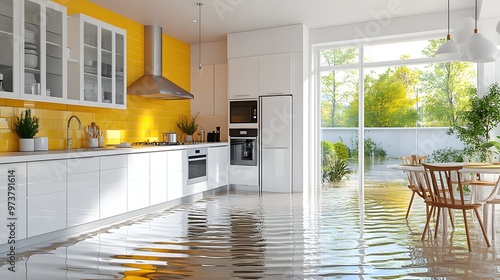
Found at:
<point>243,112</point>
<point>243,147</point>
<point>197,165</point>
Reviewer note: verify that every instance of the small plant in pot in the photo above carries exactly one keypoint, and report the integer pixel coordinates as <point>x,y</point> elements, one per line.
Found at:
<point>26,127</point>
<point>188,125</point>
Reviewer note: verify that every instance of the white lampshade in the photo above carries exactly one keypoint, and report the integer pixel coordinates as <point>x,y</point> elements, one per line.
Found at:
<point>462,49</point>
<point>449,50</point>
<point>464,31</point>
<point>480,49</point>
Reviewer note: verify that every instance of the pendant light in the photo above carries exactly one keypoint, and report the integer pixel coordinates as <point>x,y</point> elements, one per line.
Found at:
<point>449,50</point>
<point>480,49</point>
<point>199,37</point>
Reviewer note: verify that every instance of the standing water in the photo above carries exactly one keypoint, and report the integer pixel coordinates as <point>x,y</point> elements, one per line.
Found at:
<point>244,235</point>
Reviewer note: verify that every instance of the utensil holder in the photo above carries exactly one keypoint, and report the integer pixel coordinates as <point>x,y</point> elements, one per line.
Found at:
<point>101,141</point>
<point>93,142</point>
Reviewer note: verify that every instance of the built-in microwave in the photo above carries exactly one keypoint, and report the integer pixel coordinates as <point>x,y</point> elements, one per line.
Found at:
<point>241,112</point>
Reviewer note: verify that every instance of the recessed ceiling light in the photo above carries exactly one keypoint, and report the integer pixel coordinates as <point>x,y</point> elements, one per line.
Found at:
<point>194,21</point>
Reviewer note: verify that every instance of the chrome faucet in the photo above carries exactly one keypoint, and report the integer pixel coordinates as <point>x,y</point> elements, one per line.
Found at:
<point>67,131</point>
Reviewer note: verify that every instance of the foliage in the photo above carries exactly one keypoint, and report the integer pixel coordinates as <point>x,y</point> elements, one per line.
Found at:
<point>326,148</point>
<point>448,87</point>
<point>446,155</point>
<point>371,148</point>
<point>390,97</point>
<point>492,143</point>
<point>26,125</point>
<point>187,125</point>
<point>337,86</point>
<point>335,169</point>
<point>475,124</point>
<point>334,159</point>
<point>390,100</point>
<point>341,150</point>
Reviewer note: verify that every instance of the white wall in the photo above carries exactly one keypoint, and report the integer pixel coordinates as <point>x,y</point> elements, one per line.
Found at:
<point>398,141</point>
<point>211,54</point>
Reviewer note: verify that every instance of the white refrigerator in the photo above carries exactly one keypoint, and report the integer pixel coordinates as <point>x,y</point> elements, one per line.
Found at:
<point>275,143</point>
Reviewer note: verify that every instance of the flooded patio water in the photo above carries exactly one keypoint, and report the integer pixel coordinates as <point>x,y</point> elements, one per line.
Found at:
<point>244,235</point>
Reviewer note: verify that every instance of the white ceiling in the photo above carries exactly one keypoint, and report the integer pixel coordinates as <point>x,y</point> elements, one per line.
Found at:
<point>220,17</point>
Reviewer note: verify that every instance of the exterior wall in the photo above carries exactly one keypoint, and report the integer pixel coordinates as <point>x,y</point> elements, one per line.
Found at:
<point>397,141</point>
<point>143,119</point>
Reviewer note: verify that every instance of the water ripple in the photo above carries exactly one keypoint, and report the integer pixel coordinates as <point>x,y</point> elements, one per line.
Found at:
<point>245,235</point>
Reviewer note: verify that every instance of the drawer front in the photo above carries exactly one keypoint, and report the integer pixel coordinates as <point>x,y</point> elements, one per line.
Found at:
<point>113,162</point>
<point>82,165</point>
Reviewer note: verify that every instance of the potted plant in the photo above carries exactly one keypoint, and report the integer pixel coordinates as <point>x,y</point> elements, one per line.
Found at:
<point>26,127</point>
<point>478,121</point>
<point>188,125</point>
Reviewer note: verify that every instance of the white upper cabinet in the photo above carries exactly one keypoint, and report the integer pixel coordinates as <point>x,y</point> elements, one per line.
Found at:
<point>251,77</point>
<point>10,48</point>
<point>209,90</point>
<point>43,56</point>
<point>275,74</point>
<point>96,68</point>
<point>244,77</point>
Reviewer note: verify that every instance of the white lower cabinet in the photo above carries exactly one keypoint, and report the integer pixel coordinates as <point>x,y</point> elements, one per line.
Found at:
<point>138,181</point>
<point>158,177</point>
<point>244,175</point>
<point>217,167</point>
<point>52,195</point>
<point>113,185</point>
<point>46,196</point>
<point>177,174</point>
<point>82,190</point>
<point>13,190</point>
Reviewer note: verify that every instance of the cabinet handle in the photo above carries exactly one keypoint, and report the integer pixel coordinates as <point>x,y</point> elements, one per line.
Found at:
<point>275,93</point>
<point>241,95</point>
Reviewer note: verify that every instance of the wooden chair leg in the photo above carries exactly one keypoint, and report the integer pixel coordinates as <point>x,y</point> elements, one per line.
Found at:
<point>427,222</point>
<point>467,229</point>
<point>409,204</point>
<point>452,220</point>
<point>436,229</point>
<point>493,231</point>
<point>482,227</point>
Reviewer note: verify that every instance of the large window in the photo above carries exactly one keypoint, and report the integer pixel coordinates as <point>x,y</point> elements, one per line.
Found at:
<point>409,98</point>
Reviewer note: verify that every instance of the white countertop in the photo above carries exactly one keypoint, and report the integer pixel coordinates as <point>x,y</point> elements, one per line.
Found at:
<point>13,157</point>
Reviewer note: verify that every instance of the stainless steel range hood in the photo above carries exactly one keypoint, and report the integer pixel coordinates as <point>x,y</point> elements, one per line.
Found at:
<point>153,84</point>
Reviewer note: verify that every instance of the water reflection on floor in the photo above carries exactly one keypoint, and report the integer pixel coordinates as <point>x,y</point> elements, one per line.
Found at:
<point>242,235</point>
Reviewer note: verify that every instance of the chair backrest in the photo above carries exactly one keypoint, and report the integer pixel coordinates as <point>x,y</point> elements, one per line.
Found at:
<point>444,184</point>
<point>415,179</point>
<point>413,159</point>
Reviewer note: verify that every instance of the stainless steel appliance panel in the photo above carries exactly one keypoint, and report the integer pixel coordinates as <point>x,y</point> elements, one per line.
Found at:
<point>197,165</point>
<point>243,147</point>
<point>241,112</point>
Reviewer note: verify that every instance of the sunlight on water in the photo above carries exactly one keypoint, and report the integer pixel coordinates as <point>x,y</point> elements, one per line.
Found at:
<point>242,235</point>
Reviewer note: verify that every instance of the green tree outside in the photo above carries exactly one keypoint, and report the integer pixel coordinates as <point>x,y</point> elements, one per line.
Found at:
<point>447,87</point>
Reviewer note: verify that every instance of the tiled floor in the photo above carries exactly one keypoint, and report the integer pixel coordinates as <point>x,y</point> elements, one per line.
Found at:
<point>241,235</point>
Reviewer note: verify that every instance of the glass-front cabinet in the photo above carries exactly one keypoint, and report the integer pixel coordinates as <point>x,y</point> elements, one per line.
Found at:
<point>9,48</point>
<point>43,31</point>
<point>97,65</point>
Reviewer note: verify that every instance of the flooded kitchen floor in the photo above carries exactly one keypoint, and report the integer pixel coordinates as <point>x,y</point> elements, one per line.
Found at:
<point>241,235</point>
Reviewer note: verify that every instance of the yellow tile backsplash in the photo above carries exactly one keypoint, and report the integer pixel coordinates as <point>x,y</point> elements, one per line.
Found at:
<point>143,119</point>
